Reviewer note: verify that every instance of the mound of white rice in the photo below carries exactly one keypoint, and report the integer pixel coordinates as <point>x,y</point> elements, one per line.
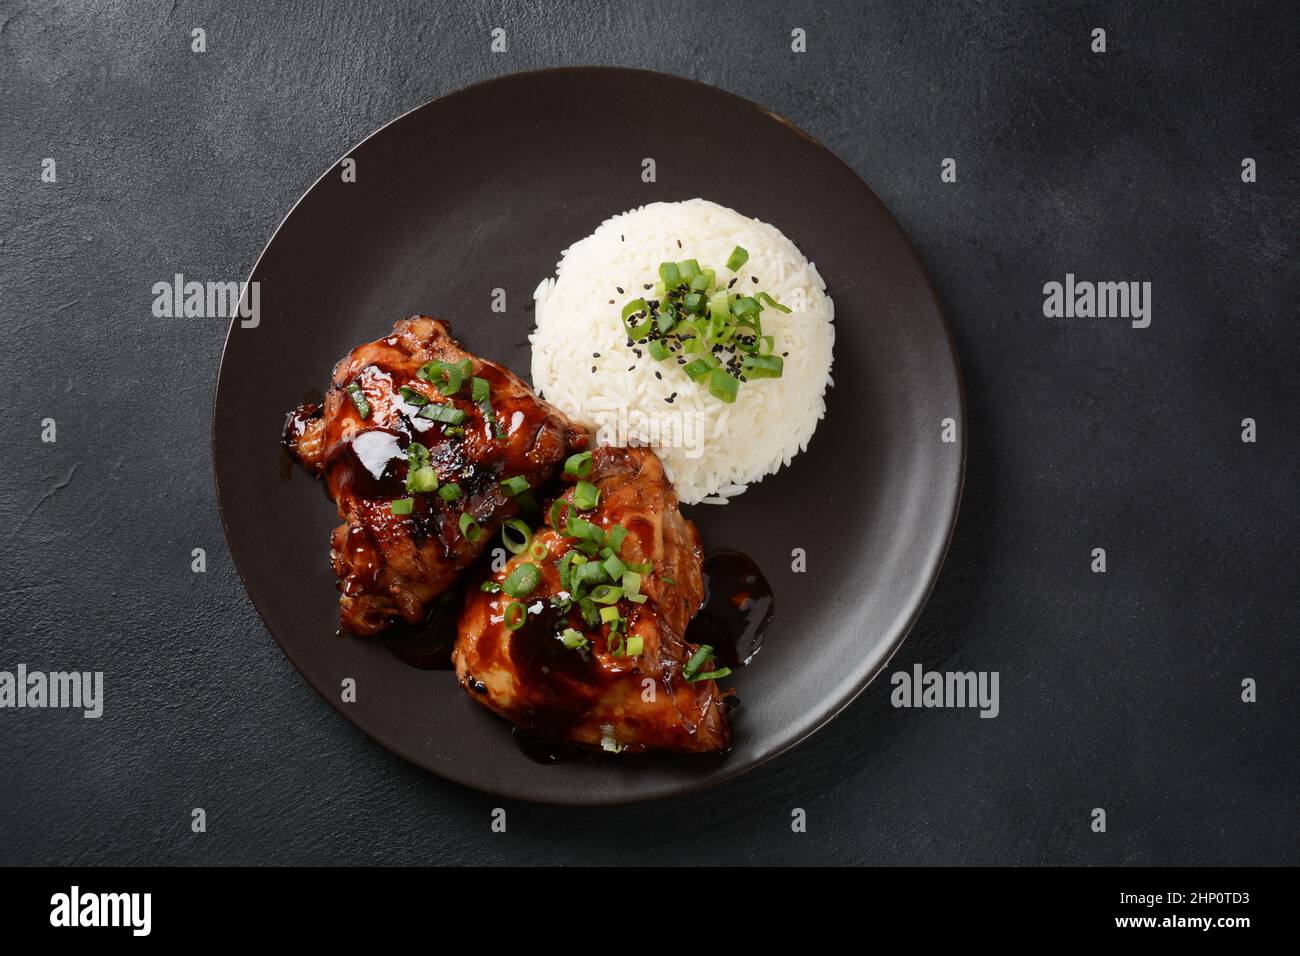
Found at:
<point>583,364</point>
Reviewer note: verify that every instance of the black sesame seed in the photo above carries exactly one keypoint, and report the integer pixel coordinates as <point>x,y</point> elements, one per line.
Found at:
<point>631,368</point>
<point>679,243</point>
<point>630,343</point>
<point>647,286</point>
<point>658,376</point>
<point>621,239</point>
<point>621,292</point>
<point>611,301</point>
<point>681,361</point>
<point>785,355</point>
<point>593,368</point>
<point>753,278</point>
<point>732,282</point>
<point>595,355</point>
<point>637,352</point>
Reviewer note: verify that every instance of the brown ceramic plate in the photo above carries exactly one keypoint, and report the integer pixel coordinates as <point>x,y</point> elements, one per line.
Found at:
<point>482,190</point>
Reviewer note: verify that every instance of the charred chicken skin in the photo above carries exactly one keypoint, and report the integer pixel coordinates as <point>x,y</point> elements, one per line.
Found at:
<point>426,450</point>
<point>581,636</point>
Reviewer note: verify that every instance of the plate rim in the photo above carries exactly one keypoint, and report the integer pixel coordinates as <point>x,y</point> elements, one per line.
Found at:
<point>723,774</point>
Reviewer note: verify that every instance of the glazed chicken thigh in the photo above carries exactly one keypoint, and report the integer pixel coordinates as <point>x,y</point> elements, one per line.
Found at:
<point>426,450</point>
<point>581,636</point>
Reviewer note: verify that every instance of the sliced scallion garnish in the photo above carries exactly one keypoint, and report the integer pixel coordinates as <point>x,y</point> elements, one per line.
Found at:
<point>698,660</point>
<point>469,527</point>
<point>449,492</point>
<point>739,256</point>
<point>573,639</point>
<point>447,414</point>
<point>516,536</point>
<point>359,400</point>
<point>604,593</point>
<point>586,496</point>
<point>614,567</point>
<point>579,464</point>
<point>515,615</point>
<point>615,537</point>
<point>723,386</point>
<point>514,486</point>
<point>402,506</point>
<point>522,580</point>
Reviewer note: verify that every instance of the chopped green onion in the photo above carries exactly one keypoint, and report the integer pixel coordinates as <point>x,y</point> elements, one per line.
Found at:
<point>635,645</point>
<point>609,615</point>
<point>698,660</point>
<point>719,306</point>
<point>539,551</point>
<point>666,318</point>
<point>564,568</point>
<point>589,574</point>
<point>523,536</point>
<point>659,351</point>
<point>451,380</point>
<point>586,496</point>
<point>723,386</point>
<point>559,516</point>
<point>693,302</point>
<point>359,400</point>
<point>739,256</point>
<point>522,581</point>
<point>641,569</point>
<point>479,389</point>
<point>688,269</point>
<point>447,414</point>
<point>402,506</point>
<point>578,527</point>
<point>589,613</point>
<point>449,492</point>
<point>763,366</point>
<point>604,593</point>
<point>515,615</point>
<point>615,537</point>
<point>745,305</point>
<point>720,673</point>
<point>669,275</point>
<point>490,587</point>
<point>469,527</point>
<point>773,303</point>
<point>573,639</point>
<point>513,486</point>
<point>412,397</point>
<point>667,580</point>
<point>634,307</point>
<point>701,367</point>
<point>614,567</point>
<point>631,582</point>
<point>422,479</point>
<point>579,464</point>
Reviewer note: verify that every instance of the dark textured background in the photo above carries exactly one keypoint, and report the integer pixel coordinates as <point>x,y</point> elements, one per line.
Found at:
<point>1118,690</point>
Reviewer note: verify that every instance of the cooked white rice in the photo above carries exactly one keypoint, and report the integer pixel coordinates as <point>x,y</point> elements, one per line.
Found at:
<point>710,449</point>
